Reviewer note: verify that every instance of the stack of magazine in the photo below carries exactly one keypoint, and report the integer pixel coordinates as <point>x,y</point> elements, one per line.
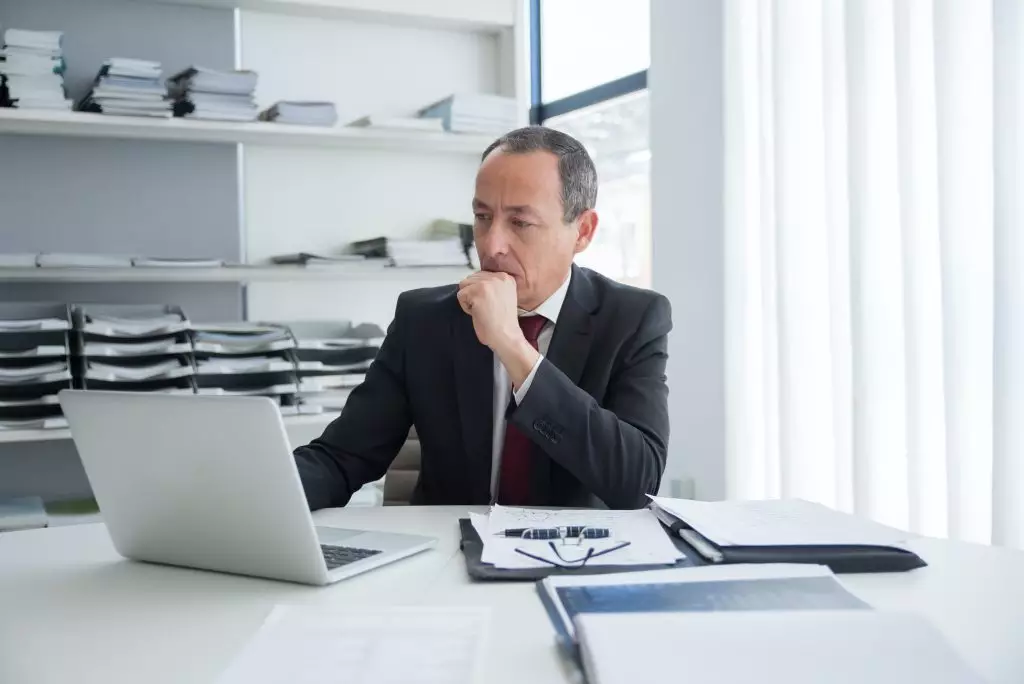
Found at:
<point>35,364</point>
<point>202,93</point>
<point>133,348</point>
<point>32,70</point>
<point>128,87</point>
<point>302,113</point>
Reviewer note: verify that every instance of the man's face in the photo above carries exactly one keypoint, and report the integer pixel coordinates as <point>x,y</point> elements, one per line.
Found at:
<point>518,225</point>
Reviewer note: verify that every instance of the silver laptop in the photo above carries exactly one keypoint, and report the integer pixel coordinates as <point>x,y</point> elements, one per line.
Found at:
<point>210,483</point>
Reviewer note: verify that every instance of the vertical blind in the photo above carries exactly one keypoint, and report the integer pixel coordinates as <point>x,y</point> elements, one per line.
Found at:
<point>875,259</point>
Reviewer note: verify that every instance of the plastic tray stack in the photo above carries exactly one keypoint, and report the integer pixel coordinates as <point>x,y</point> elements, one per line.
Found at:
<point>35,364</point>
<point>332,359</point>
<point>135,348</point>
<point>246,359</point>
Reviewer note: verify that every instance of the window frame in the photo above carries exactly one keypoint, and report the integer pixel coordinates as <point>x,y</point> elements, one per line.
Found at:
<point>541,111</point>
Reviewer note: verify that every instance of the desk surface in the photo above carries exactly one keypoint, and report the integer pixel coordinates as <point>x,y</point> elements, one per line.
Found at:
<point>72,610</point>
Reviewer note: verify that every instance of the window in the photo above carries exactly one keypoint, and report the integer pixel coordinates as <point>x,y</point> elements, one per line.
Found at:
<point>589,70</point>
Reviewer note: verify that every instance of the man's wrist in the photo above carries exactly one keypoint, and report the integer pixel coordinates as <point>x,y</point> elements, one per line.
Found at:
<point>518,357</point>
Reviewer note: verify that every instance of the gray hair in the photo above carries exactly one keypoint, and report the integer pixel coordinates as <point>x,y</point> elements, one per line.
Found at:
<point>575,167</point>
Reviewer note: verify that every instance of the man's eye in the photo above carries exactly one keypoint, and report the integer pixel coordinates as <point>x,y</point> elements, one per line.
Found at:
<point>520,223</point>
<point>482,217</point>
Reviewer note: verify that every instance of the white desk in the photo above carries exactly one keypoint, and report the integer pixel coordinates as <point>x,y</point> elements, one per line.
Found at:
<point>71,610</point>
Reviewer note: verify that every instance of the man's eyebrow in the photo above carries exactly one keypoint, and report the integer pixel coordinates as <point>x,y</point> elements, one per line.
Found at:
<point>477,204</point>
<point>521,209</point>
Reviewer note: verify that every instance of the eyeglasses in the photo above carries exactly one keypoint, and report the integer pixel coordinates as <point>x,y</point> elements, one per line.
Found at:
<point>568,537</point>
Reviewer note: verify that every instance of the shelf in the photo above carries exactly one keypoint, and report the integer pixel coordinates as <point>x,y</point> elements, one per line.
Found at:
<point>15,436</point>
<point>88,125</point>
<point>480,15</point>
<point>232,274</point>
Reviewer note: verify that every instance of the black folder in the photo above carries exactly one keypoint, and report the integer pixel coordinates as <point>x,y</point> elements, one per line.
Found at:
<point>841,558</point>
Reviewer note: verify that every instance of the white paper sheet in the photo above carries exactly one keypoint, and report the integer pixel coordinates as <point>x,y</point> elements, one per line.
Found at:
<point>778,523</point>
<point>649,545</point>
<point>313,645</point>
<point>769,647</point>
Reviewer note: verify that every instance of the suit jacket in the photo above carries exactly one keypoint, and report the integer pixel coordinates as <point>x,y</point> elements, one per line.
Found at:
<point>596,410</point>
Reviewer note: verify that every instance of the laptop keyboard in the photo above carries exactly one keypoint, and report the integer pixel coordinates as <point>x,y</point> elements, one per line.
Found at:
<point>337,556</point>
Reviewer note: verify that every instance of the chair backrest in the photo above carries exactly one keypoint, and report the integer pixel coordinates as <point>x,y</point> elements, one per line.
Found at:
<point>403,473</point>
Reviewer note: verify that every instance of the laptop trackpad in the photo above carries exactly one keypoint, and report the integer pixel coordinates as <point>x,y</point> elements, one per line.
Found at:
<point>335,535</point>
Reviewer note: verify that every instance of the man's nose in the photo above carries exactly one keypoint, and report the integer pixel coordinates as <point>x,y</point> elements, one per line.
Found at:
<point>494,241</point>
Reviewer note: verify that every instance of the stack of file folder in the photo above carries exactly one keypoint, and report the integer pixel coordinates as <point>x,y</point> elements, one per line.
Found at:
<point>246,359</point>
<point>475,113</point>
<point>32,70</point>
<point>302,113</point>
<point>128,87</point>
<point>35,364</point>
<point>332,358</point>
<point>202,93</point>
<point>133,348</point>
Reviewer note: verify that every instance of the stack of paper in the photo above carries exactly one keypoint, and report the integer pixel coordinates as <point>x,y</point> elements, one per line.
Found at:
<point>410,253</point>
<point>202,93</point>
<point>505,546</point>
<point>35,364</point>
<point>400,123</point>
<point>77,260</point>
<point>302,113</point>
<point>332,358</point>
<point>245,359</point>
<point>784,522</point>
<point>32,70</point>
<point>133,348</point>
<point>129,87</point>
<point>475,113</point>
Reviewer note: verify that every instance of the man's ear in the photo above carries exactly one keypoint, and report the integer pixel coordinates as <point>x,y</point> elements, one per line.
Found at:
<point>586,227</point>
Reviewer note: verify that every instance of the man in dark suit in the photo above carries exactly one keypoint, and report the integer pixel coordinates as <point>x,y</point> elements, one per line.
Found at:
<point>532,382</point>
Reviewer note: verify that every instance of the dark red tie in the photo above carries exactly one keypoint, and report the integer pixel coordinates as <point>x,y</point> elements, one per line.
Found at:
<point>517,454</point>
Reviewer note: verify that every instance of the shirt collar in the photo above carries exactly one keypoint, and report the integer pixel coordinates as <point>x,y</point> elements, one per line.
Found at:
<point>551,306</point>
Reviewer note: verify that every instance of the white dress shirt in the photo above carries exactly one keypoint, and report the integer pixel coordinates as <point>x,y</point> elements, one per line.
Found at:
<point>549,309</point>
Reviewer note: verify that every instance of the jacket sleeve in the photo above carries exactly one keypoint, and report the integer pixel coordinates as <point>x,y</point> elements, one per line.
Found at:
<point>617,450</point>
<point>360,444</point>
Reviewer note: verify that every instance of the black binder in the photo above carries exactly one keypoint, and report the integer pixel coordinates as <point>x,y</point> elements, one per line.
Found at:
<point>840,558</point>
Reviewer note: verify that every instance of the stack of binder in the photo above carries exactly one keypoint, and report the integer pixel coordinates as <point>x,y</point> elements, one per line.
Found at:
<point>202,93</point>
<point>332,358</point>
<point>133,348</point>
<point>246,359</point>
<point>35,364</point>
<point>128,87</point>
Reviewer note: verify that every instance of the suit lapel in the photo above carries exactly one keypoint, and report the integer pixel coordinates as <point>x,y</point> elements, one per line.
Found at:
<point>568,351</point>
<point>474,386</point>
<point>570,344</point>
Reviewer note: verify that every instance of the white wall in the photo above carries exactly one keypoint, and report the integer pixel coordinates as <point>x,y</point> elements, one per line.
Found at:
<point>320,200</point>
<point>687,147</point>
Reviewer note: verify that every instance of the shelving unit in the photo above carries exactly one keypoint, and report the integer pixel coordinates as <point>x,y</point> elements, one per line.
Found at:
<point>87,125</point>
<point>318,421</point>
<point>230,274</point>
<point>245,192</point>
<point>457,14</point>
